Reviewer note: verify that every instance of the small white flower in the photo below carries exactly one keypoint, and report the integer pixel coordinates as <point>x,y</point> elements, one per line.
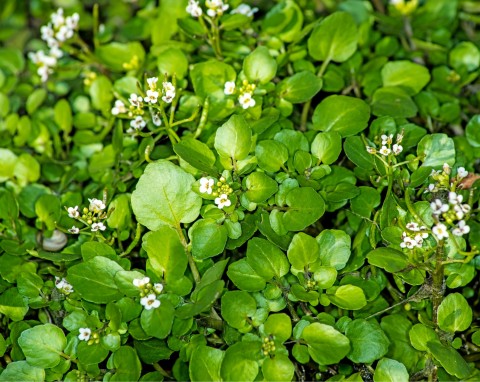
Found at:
<point>438,207</point>
<point>459,211</point>
<point>57,18</point>
<point>56,52</point>
<point>158,288</point>
<point>400,137</point>
<point>385,151</point>
<point>74,230</point>
<point>371,150</point>
<point>59,282</point>
<point>244,9</point>
<point>135,100</point>
<point>246,100</point>
<point>215,7</point>
<point>395,2</point>
<point>96,205</point>
<point>466,208</point>
<point>397,149</point>
<point>150,301</point>
<point>47,32</point>
<point>454,198</point>
<point>168,98</point>
<point>229,87</point>
<point>423,234</point>
<point>168,92</point>
<point>447,169</point>
<point>418,240</point>
<point>206,185</point>
<point>73,212</point>
<point>98,226</point>
<point>440,231</point>
<point>223,201</point>
<point>387,139</point>
<point>85,334</point>
<point>194,9</point>
<point>67,289</point>
<point>151,97</point>
<point>152,83</point>
<point>168,87</point>
<point>138,123</point>
<point>63,285</point>
<point>119,108</point>
<point>412,226</point>
<point>431,188</point>
<point>72,21</point>
<point>141,282</point>
<point>408,243</point>
<point>461,172</point>
<point>461,229</point>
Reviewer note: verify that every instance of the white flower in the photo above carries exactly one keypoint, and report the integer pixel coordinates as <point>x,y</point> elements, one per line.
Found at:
<point>98,226</point>
<point>67,288</point>
<point>194,9</point>
<point>85,334</point>
<point>431,188</point>
<point>59,282</point>
<point>73,212</point>
<point>74,230</point>
<point>168,98</point>
<point>138,123</point>
<point>56,52</point>
<point>158,288</point>
<point>96,205</point>
<point>223,201</point>
<point>168,91</point>
<point>168,87</point>
<point>447,169</point>
<point>395,2</point>
<point>400,137</point>
<point>461,229</point>
<point>418,240</point>
<point>72,21</point>
<point>229,87</point>
<point>438,207</point>
<point>440,231</point>
<point>63,285</point>
<point>150,301</point>
<point>206,185</point>
<point>412,226</point>
<point>387,139</point>
<point>423,234</point>
<point>151,97</point>
<point>57,18</point>
<point>245,9</point>
<point>461,172</point>
<point>135,100</point>
<point>408,243</point>
<point>47,32</point>
<point>459,211</point>
<point>371,150</point>
<point>385,151</point>
<point>152,83</point>
<point>119,108</point>
<point>246,100</point>
<point>215,7</point>
<point>397,149</point>
<point>454,198</point>
<point>141,282</point>
<point>466,208</point>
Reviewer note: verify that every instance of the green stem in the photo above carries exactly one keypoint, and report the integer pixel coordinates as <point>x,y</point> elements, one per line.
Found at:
<point>136,239</point>
<point>191,260</point>
<point>411,209</point>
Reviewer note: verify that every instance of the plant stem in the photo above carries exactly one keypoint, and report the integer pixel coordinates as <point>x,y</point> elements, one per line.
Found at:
<point>438,289</point>
<point>191,260</point>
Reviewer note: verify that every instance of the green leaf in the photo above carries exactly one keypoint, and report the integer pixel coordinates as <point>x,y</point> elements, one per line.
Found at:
<point>91,249</point>
<point>279,325</point>
<point>241,362</point>
<point>450,359</point>
<point>345,115</point>
<point>205,364</point>
<point>158,322</point>
<point>266,259</point>
<point>172,61</point>
<point>91,354</point>
<point>454,313</point>
<point>48,210</point>
<point>13,304</point>
<point>407,75</point>
<point>172,201</point>
<point>355,150</point>
<point>334,248</point>
<point>204,299</point>
<point>394,102</point>
<point>472,132</point>
<point>22,371</point>
<point>94,280</point>
<point>101,93</point>
<point>260,66</point>
<point>436,149</point>
<point>260,187</point>
<point>114,55</point>
<point>42,345</point>
<point>197,154</point>
<point>326,345</point>
<point>238,307</point>
<point>368,340</point>
<point>389,370</point>
<point>234,138</point>
<point>306,206</point>
<point>126,364</point>
<point>244,277</point>
<point>208,238</point>
<point>299,88</point>
<point>63,115</point>
<point>420,335</point>
<point>271,155</point>
<point>328,42</point>
<point>302,251</point>
<point>388,258</point>
<point>278,368</point>
<point>348,296</point>
<point>166,253</point>
<point>465,55</point>
<point>365,203</point>
<point>35,100</point>
<point>327,147</point>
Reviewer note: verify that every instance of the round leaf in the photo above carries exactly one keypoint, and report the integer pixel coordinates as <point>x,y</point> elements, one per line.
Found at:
<point>208,238</point>
<point>302,251</point>
<point>407,75</point>
<point>348,297</point>
<point>369,342</point>
<point>334,248</point>
<point>327,147</point>
<point>326,345</point>
<point>279,325</point>
<point>306,206</point>
<point>267,259</point>
<point>436,149</point>
<point>278,368</point>
<point>454,313</point>
<point>205,364</point>
<point>237,309</point>
<point>389,370</point>
<point>259,66</point>
<point>234,138</point>
<point>42,345</point>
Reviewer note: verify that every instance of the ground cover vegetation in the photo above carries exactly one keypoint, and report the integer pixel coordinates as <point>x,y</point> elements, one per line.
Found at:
<point>215,190</point>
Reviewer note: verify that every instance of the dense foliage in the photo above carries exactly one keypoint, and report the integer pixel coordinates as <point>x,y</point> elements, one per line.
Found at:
<point>206,191</point>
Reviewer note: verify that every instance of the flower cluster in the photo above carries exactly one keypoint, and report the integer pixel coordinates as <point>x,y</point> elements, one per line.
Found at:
<point>90,216</point>
<point>414,236</point>
<point>268,346</point>
<point>148,292</point>
<point>388,146</point>
<point>245,97</point>
<point>220,189</point>
<point>244,9</point>
<point>452,211</point>
<point>55,33</point>
<point>85,334</point>
<point>217,8</point>
<point>63,285</point>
